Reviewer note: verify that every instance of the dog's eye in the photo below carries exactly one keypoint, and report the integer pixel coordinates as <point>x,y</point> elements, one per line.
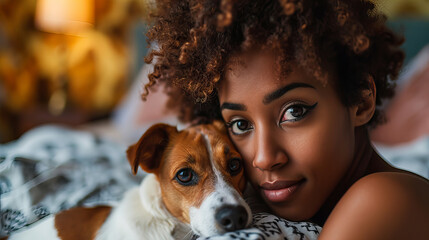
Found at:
<point>186,177</point>
<point>234,166</point>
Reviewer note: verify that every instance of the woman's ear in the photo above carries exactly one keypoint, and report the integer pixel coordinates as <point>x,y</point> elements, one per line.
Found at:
<point>366,108</point>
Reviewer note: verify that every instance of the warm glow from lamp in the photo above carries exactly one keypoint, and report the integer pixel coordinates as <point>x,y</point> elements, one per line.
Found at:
<point>64,16</point>
<point>68,17</point>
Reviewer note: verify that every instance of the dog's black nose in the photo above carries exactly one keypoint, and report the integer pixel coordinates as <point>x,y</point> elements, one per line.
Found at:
<point>231,218</point>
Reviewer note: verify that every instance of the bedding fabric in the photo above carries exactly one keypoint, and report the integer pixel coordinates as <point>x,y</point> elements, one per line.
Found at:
<point>412,156</point>
<point>269,227</point>
<point>51,168</point>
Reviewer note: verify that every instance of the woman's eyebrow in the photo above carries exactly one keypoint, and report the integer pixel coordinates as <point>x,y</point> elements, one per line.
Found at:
<point>281,91</point>
<point>233,106</point>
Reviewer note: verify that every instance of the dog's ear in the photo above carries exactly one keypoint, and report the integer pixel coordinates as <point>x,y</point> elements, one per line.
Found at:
<point>219,125</point>
<point>148,151</point>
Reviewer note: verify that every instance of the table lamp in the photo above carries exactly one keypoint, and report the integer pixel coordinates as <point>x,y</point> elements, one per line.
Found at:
<point>64,17</point>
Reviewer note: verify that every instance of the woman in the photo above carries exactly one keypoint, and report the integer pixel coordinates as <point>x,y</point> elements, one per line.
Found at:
<point>298,83</point>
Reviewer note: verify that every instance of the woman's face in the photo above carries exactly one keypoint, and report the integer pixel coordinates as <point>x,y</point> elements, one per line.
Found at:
<point>296,137</point>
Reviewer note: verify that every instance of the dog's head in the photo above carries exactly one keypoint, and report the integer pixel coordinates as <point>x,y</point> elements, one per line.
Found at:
<point>200,173</point>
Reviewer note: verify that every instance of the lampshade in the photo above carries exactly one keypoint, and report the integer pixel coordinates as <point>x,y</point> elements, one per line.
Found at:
<point>64,16</point>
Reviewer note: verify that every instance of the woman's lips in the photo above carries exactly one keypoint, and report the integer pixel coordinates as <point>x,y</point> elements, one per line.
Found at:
<point>280,191</point>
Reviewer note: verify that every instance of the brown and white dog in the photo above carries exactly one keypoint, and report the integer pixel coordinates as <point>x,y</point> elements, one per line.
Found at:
<point>195,186</point>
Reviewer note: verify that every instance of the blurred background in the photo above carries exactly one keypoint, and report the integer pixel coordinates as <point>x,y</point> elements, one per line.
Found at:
<point>74,62</point>
<point>66,61</point>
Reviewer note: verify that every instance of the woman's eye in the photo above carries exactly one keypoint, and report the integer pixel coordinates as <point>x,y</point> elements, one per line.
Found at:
<point>239,127</point>
<point>296,112</point>
<point>186,177</point>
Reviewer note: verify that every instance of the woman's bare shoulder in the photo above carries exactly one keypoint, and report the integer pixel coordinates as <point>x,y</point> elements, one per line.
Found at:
<point>385,205</point>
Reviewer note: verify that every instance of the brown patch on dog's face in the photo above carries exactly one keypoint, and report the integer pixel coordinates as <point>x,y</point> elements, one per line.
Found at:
<point>227,159</point>
<point>229,162</point>
<point>188,158</point>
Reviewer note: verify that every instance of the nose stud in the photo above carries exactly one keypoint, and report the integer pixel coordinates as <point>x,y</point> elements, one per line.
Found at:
<point>231,218</point>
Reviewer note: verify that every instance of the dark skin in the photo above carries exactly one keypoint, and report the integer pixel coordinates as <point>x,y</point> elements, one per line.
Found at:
<point>366,162</point>
<point>310,158</point>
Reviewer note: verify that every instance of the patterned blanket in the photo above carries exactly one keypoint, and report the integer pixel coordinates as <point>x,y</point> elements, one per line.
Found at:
<point>269,227</point>
<point>52,168</point>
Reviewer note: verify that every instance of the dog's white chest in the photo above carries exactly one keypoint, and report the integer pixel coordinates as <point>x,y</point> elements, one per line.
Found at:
<point>140,215</point>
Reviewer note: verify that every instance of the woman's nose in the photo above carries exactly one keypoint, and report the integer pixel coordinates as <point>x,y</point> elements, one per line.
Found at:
<point>269,154</point>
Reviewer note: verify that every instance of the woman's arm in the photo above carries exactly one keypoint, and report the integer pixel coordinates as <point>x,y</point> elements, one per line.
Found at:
<point>382,206</point>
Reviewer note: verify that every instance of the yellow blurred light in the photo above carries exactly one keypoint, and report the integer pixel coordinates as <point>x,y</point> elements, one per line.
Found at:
<point>64,16</point>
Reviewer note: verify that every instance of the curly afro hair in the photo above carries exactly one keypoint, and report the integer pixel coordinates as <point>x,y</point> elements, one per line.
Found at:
<point>196,38</point>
